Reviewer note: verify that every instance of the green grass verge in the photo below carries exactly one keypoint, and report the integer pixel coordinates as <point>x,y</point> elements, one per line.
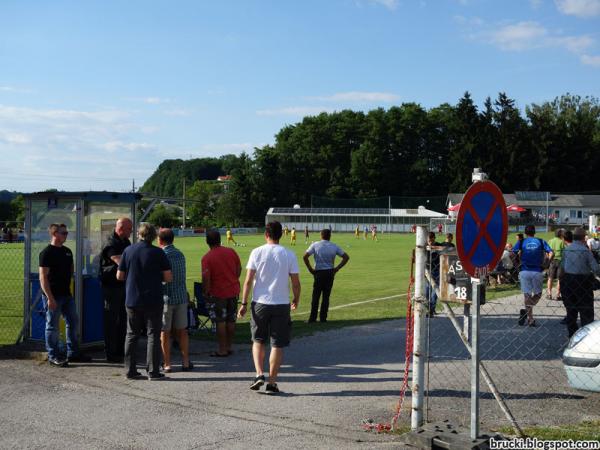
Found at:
<point>584,431</point>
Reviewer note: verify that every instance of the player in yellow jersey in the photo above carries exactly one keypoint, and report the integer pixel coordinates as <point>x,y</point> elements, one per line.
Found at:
<point>357,232</point>
<point>285,230</point>
<point>230,237</point>
<point>293,236</point>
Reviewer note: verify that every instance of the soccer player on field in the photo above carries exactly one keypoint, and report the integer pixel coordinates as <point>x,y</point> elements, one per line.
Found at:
<point>306,234</point>
<point>374,233</point>
<point>293,236</point>
<point>230,237</point>
<point>357,232</point>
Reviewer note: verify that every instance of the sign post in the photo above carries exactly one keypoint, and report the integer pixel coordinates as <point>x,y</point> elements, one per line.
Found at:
<point>481,231</point>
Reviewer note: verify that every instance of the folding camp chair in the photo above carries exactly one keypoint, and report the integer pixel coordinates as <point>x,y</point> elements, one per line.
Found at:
<point>201,310</point>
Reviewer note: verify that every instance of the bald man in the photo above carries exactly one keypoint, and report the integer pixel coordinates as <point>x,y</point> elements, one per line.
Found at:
<point>113,291</point>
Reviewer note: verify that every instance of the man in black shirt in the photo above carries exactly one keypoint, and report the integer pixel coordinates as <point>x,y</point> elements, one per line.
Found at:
<point>56,270</point>
<point>144,267</point>
<point>113,290</point>
<point>433,267</point>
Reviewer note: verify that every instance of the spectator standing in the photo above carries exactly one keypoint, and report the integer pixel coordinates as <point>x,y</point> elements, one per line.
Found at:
<point>113,291</point>
<point>176,301</point>
<point>557,244</point>
<point>433,265</point>
<point>144,267</point>
<point>448,242</point>
<point>324,272</point>
<point>594,245</point>
<point>269,267</point>
<point>578,268</point>
<point>221,270</point>
<point>533,252</point>
<point>56,271</point>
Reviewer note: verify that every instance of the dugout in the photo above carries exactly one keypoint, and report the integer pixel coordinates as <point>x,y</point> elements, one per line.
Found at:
<point>90,217</point>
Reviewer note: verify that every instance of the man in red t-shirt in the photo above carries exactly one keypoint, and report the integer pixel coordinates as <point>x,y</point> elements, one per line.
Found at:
<point>221,269</point>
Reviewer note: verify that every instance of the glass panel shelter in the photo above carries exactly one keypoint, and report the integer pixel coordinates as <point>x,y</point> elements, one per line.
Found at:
<point>90,218</point>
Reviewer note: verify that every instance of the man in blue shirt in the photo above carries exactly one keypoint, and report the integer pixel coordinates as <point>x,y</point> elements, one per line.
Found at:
<point>324,253</point>
<point>144,267</point>
<point>578,267</point>
<point>533,251</point>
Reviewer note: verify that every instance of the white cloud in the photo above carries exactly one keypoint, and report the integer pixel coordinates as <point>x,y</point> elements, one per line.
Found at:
<point>115,146</point>
<point>535,4</point>
<point>522,36</point>
<point>178,112</point>
<point>156,100</point>
<point>15,90</point>
<point>360,97</point>
<point>579,8</point>
<point>389,4</point>
<point>73,149</point>
<point>14,138</point>
<point>591,60</point>
<point>519,36</point>
<point>294,111</point>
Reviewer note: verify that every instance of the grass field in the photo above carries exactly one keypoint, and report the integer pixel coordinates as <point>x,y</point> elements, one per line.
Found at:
<point>376,270</point>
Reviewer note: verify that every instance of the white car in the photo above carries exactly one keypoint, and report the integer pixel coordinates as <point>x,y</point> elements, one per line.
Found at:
<point>582,358</point>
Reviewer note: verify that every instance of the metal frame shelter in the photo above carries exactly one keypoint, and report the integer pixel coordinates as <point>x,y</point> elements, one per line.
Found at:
<point>90,218</point>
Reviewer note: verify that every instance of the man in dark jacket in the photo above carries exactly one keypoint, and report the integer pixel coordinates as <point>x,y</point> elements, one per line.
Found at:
<point>144,268</point>
<point>113,291</point>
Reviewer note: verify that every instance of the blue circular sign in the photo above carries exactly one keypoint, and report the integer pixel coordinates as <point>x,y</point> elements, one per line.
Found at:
<point>481,228</point>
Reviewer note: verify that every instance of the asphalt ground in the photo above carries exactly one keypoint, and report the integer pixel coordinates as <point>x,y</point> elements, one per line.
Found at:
<point>330,382</point>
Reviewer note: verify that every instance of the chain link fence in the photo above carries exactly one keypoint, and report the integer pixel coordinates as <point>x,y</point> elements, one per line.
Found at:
<point>11,290</point>
<point>524,338</point>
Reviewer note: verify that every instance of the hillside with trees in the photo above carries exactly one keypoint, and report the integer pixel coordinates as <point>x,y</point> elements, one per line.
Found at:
<point>405,150</point>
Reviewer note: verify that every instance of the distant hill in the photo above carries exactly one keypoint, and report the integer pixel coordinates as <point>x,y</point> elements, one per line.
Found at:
<point>167,180</point>
<point>7,196</point>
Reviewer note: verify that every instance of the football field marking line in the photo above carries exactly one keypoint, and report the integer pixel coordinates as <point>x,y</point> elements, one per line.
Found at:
<point>357,303</point>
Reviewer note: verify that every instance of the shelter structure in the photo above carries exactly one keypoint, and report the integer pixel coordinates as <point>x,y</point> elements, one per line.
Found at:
<point>90,218</point>
<point>347,219</point>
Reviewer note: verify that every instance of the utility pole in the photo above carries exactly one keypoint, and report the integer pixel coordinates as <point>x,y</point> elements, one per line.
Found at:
<point>184,203</point>
<point>133,185</point>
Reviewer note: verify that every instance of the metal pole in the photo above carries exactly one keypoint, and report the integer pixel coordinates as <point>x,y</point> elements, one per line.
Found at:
<point>475,358</point>
<point>547,211</point>
<point>419,350</point>
<point>184,204</point>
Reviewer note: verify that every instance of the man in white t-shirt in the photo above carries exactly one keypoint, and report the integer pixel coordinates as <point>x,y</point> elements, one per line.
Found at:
<point>268,270</point>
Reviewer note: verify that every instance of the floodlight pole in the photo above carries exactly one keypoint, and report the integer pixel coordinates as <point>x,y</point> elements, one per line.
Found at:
<point>419,330</point>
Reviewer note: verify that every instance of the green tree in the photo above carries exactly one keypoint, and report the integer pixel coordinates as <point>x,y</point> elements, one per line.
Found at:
<point>163,216</point>
<point>203,196</point>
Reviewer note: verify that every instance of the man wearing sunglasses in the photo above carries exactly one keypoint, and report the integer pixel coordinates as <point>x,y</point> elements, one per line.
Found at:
<point>56,271</point>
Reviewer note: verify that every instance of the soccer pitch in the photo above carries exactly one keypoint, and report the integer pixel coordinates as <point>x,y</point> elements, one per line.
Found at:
<point>372,287</point>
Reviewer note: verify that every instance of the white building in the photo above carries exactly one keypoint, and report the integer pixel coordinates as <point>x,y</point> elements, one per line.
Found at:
<point>346,219</point>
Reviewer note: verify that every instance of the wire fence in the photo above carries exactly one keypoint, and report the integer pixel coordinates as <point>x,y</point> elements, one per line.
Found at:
<point>11,291</point>
<point>524,338</point>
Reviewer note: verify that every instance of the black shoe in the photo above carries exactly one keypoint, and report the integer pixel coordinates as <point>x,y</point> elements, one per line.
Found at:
<point>257,383</point>
<point>311,321</point>
<point>272,388</point>
<point>80,358</point>
<point>522,316</point>
<point>323,321</point>
<point>114,359</point>
<point>188,368</point>
<point>134,376</point>
<point>156,376</point>
<point>58,362</point>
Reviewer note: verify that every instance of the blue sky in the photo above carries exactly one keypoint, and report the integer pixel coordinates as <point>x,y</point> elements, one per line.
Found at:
<point>96,94</point>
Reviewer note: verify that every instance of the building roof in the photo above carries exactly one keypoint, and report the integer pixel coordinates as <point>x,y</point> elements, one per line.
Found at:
<point>536,199</point>
<point>420,211</point>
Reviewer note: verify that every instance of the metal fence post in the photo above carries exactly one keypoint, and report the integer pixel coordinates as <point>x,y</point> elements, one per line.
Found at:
<point>419,350</point>
<point>475,357</point>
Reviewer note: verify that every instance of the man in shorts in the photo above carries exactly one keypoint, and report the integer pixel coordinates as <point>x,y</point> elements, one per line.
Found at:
<point>176,304</point>
<point>267,275</point>
<point>532,251</point>
<point>221,269</point>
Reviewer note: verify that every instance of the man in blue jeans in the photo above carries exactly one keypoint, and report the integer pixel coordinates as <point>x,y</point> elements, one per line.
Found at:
<point>56,271</point>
